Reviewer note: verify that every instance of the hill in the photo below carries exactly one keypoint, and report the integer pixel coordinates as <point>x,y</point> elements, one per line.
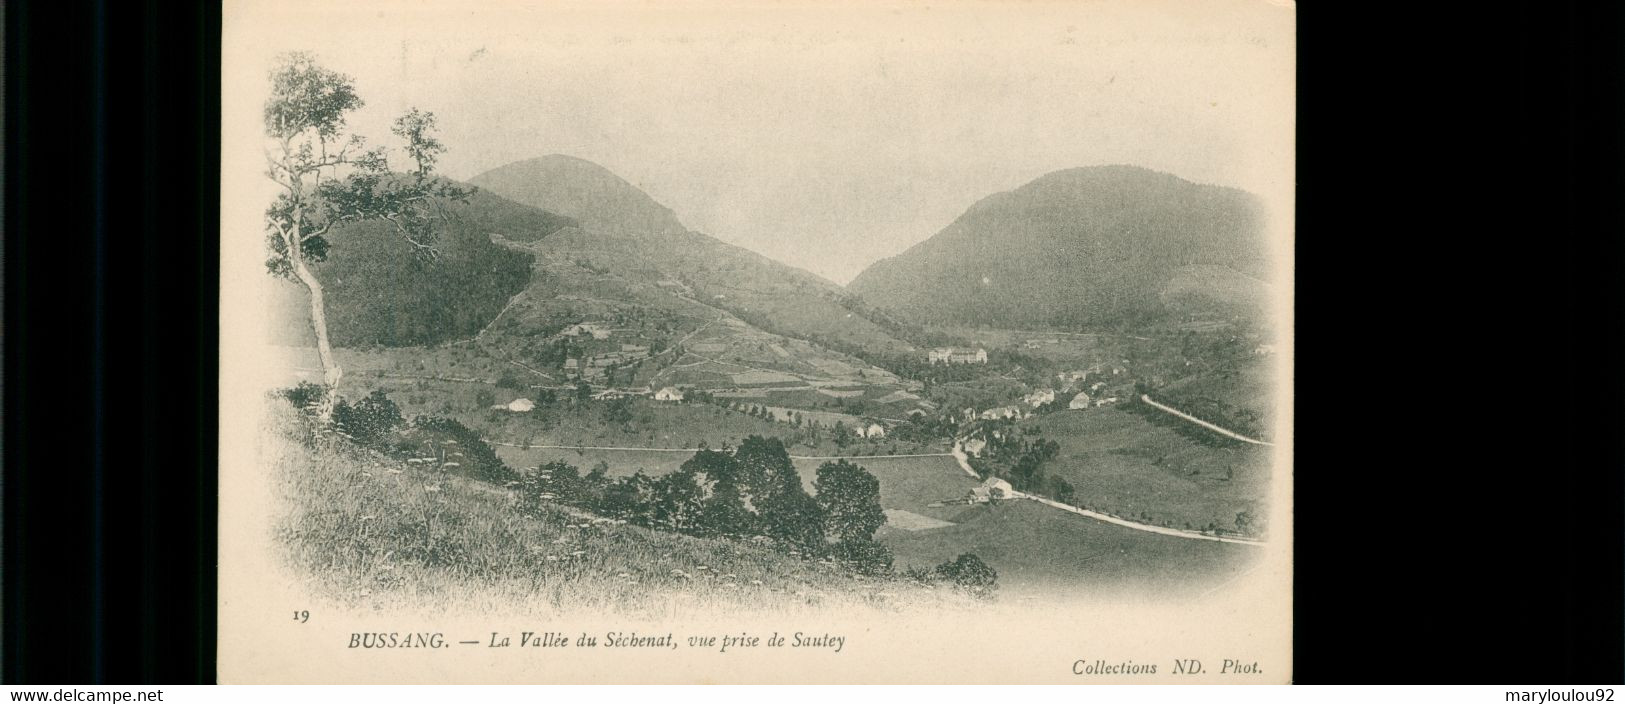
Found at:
<point>625,235</point>
<point>378,293</point>
<point>1094,246</point>
<point>592,194</point>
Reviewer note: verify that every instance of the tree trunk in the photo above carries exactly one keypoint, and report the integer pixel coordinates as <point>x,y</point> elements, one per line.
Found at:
<point>318,319</point>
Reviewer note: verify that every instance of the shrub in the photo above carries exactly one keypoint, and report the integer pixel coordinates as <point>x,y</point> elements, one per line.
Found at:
<point>969,573</point>
<point>370,420</point>
<point>509,380</point>
<point>864,556</point>
<point>305,394</point>
<point>478,460</point>
<point>724,512</point>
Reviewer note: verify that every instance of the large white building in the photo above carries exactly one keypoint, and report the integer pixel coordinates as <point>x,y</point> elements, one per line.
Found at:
<point>1039,397</point>
<point>1001,412</point>
<point>957,355</point>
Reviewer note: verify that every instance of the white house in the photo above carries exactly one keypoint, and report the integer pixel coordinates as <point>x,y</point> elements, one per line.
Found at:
<point>992,488</point>
<point>1001,412</point>
<point>669,393</point>
<point>974,447</point>
<point>522,405</point>
<point>1079,401</point>
<point>875,430</point>
<point>955,355</point>
<point>1039,397</point>
<point>598,331</point>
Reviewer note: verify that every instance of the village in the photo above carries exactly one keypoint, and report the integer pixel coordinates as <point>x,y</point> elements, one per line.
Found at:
<point>606,363</point>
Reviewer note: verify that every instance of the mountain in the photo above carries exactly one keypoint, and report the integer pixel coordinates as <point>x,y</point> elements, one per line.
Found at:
<point>625,236</point>
<point>580,189</point>
<point>1108,245</point>
<point>378,293</point>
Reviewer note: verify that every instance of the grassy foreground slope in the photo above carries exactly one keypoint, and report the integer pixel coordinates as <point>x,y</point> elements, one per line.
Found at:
<point>374,532</point>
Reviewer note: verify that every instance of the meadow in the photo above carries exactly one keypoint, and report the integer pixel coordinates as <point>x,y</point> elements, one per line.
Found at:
<point>910,483</point>
<point>372,532</point>
<point>1120,464</point>
<point>1038,550</point>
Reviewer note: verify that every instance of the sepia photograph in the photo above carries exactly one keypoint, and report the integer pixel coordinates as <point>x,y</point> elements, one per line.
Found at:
<point>757,342</point>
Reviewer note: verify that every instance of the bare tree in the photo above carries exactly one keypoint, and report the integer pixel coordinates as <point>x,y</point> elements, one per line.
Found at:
<point>329,177</point>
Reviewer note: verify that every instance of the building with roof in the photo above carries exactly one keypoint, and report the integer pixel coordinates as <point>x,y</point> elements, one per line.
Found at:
<point>956,355</point>
<point>992,489</point>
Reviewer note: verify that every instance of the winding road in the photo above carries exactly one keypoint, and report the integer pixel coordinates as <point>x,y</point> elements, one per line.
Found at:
<point>1203,423</point>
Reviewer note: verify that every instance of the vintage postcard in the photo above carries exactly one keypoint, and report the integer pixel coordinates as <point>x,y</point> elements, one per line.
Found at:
<point>757,342</point>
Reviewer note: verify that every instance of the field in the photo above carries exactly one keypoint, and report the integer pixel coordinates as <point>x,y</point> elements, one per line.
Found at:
<point>1120,464</point>
<point>825,418</point>
<point>1065,347</point>
<point>1033,547</point>
<point>910,483</point>
<point>1245,386</point>
<point>1039,550</point>
<point>374,533</point>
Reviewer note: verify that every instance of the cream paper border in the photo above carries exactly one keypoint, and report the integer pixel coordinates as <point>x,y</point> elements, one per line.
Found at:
<point>1248,619</point>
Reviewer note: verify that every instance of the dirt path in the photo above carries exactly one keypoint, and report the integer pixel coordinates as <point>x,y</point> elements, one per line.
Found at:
<point>1203,423</point>
<point>1160,530</point>
<point>964,460</point>
<point>481,334</point>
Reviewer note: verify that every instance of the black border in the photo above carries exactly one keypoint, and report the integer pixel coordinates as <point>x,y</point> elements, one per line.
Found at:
<point>1459,322</point>
<point>112,250</point>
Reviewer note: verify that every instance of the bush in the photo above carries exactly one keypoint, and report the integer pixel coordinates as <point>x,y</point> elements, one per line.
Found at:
<point>969,573</point>
<point>305,394</point>
<point>371,420</point>
<point>478,460</point>
<point>864,556</point>
<point>510,380</point>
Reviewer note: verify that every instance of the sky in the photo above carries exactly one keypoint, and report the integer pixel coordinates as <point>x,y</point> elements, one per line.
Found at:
<point>825,135</point>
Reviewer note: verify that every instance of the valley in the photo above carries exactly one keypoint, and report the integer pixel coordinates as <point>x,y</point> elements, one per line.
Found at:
<point>613,339</point>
